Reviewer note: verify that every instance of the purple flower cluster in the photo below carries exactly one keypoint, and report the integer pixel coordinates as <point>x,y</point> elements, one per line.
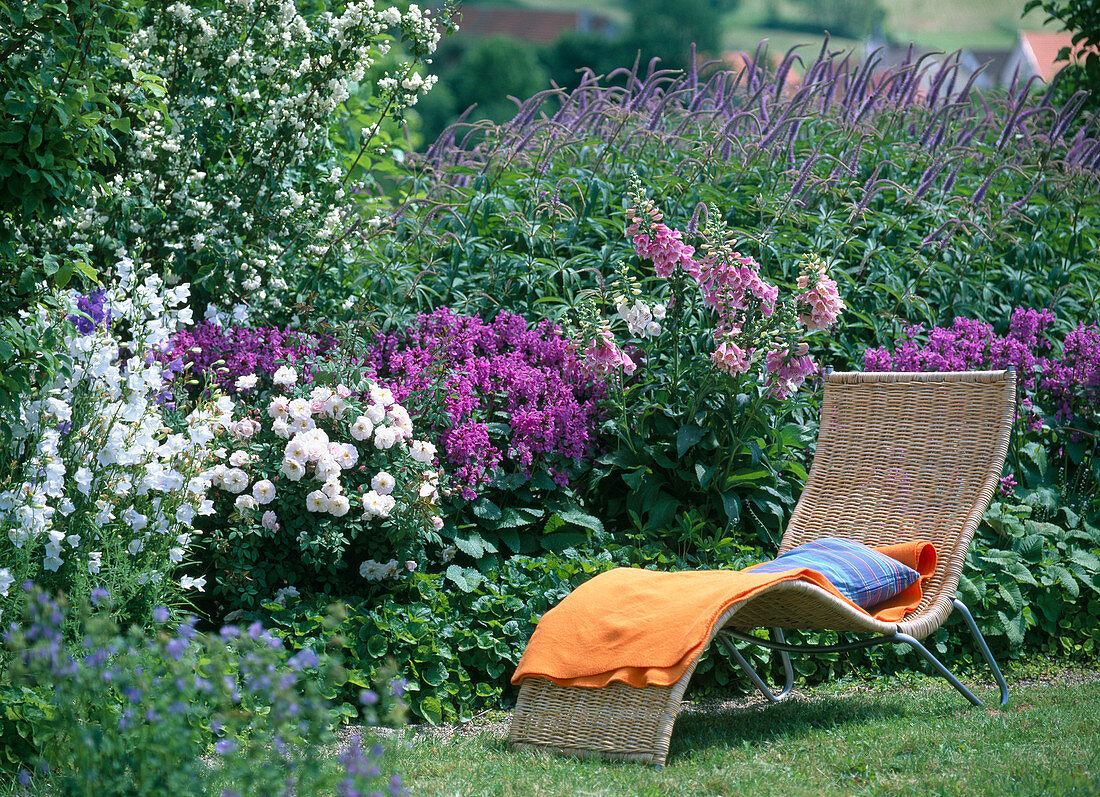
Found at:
<point>494,393</point>
<point>227,353</point>
<point>969,344</point>
<point>91,312</point>
<point>1070,380</point>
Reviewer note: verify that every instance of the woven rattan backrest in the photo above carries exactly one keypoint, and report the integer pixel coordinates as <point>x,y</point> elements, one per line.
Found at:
<point>905,457</point>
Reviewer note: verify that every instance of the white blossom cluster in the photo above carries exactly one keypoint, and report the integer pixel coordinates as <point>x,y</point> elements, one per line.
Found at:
<point>641,319</point>
<point>379,571</point>
<point>238,172</point>
<point>310,452</point>
<point>103,474</point>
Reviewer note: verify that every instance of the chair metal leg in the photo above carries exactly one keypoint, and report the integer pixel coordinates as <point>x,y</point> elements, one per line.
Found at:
<point>758,682</point>
<point>726,637</point>
<point>939,667</point>
<point>979,640</point>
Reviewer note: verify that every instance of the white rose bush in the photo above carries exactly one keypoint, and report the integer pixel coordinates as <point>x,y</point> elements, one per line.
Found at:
<point>318,487</point>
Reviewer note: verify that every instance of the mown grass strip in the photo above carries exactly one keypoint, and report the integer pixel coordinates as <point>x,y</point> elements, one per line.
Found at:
<point>914,736</point>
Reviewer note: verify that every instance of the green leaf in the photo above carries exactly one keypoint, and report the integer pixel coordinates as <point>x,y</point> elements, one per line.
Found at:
<point>686,437</point>
<point>579,518</point>
<point>377,646</point>
<point>742,475</point>
<point>731,503</point>
<point>433,674</point>
<point>432,710</point>
<point>466,579</point>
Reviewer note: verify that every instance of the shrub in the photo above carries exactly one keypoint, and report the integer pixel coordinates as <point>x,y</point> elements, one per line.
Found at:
<point>102,483</point>
<point>313,485</point>
<point>237,183</point>
<point>137,713</point>
<point>701,392</point>
<point>887,180</point>
<point>503,398</point>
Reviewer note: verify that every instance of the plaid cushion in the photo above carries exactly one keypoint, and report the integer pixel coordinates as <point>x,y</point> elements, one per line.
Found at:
<point>861,574</point>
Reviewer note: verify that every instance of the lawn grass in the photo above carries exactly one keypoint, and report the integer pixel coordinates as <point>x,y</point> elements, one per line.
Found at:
<point>912,736</point>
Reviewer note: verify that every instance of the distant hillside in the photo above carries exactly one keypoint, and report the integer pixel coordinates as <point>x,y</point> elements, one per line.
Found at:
<point>944,24</point>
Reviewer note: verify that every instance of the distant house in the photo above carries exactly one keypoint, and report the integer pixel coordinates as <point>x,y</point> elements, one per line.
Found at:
<point>1036,55</point>
<point>532,25</point>
<point>988,64</point>
<point>992,64</point>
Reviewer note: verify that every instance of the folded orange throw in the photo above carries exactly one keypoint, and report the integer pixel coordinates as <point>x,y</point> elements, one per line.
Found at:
<point>645,628</point>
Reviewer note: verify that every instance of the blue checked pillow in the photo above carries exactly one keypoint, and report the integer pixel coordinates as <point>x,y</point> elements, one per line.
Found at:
<point>861,574</point>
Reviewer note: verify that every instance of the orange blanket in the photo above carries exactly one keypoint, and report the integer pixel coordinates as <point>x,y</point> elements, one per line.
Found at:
<point>645,627</point>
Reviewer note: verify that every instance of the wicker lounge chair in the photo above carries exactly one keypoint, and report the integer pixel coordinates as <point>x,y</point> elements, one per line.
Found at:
<point>899,457</point>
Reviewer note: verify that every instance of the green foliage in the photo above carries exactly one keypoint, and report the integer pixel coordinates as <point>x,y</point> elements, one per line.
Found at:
<point>456,638</point>
<point>490,71</point>
<point>668,31</point>
<point>168,712</point>
<point>1082,19</point>
<point>63,112</point>
<point>853,19</point>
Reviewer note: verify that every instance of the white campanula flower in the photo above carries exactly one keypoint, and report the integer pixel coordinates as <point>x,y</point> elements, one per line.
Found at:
<point>285,376</point>
<point>244,503</point>
<point>383,483</point>
<point>95,562</point>
<point>51,563</point>
<point>246,382</point>
<point>422,451</point>
<point>339,506</point>
<point>187,582</point>
<point>185,513</point>
<point>279,407</point>
<point>384,437</point>
<point>135,519</point>
<point>239,458</point>
<point>136,546</point>
<point>292,469</point>
<point>234,480</point>
<point>362,428</point>
<point>317,501</point>
<point>175,555</point>
<point>269,521</point>
<point>263,491</point>
<point>6,580</point>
